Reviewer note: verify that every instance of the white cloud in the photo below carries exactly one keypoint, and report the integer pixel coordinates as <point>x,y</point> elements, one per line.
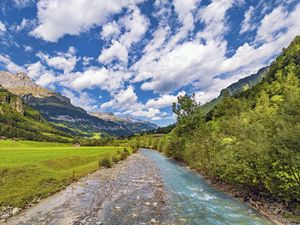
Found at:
<point>35,70</point>
<point>62,61</point>
<point>25,24</point>
<point>28,48</point>
<point>110,30</point>
<point>124,99</point>
<point>214,17</point>
<point>184,9</point>
<point>81,16</point>
<point>186,63</point>
<point>246,24</point>
<point>2,27</point>
<point>10,65</point>
<point>269,29</point>
<point>163,101</point>
<point>22,3</point>
<point>103,78</point>
<point>115,51</point>
<point>86,60</point>
<point>38,72</point>
<point>81,99</point>
<point>135,25</point>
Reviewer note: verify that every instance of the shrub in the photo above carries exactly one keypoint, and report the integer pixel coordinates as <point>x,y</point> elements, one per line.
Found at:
<point>124,154</point>
<point>115,158</point>
<point>106,162</point>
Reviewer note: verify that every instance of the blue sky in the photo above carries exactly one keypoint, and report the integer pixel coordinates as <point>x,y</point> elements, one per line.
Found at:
<point>134,57</point>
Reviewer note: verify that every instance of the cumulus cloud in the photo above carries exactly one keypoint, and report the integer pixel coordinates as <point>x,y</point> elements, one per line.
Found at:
<point>135,25</point>
<point>124,99</point>
<point>109,30</point>
<point>160,58</point>
<point>81,99</point>
<point>62,61</point>
<point>103,78</point>
<point>163,101</point>
<point>81,16</point>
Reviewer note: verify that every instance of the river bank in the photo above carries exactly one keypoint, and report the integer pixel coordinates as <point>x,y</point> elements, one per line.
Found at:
<point>129,193</point>
<point>274,211</point>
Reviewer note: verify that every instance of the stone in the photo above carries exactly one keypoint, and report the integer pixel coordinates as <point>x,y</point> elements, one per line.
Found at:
<point>15,211</point>
<point>147,203</point>
<point>153,220</point>
<point>2,221</point>
<point>182,220</point>
<point>154,204</point>
<point>134,215</point>
<point>5,216</point>
<point>117,207</point>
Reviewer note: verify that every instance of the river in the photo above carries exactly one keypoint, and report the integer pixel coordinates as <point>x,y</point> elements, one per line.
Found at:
<point>147,188</point>
<point>194,201</point>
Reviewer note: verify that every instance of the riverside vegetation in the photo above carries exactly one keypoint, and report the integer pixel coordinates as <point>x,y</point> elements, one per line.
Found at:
<point>250,140</point>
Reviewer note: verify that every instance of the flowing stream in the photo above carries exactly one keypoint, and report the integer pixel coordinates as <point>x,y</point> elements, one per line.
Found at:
<point>193,201</point>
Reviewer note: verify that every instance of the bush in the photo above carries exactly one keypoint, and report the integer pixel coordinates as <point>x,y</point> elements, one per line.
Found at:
<point>115,159</point>
<point>106,162</point>
<point>124,154</point>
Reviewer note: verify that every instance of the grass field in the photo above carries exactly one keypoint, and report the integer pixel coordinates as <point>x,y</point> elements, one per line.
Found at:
<point>37,169</point>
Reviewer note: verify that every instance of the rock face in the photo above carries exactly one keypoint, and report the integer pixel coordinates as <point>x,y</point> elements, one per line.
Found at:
<point>107,116</point>
<point>21,84</point>
<point>9,100</point>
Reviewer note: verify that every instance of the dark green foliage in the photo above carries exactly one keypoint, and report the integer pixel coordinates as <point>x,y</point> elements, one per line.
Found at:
<point>124,154</point>
<point>20,121</point>
<point>250,139</point>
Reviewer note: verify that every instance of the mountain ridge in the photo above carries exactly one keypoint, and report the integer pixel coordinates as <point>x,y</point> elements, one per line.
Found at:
<point>60,111</point>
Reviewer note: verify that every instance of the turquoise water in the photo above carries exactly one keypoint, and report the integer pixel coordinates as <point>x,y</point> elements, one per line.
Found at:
<point>193,200</point>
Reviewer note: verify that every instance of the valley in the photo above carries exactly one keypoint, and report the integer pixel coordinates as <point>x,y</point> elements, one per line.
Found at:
<point>182,112</point>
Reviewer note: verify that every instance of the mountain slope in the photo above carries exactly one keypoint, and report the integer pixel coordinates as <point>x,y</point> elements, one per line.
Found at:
<point>134,125</point>
<point>58,109</point>
<point>21,84</point>
<point>20,121</point>
<point>71,119</point>
<point>237,87</point>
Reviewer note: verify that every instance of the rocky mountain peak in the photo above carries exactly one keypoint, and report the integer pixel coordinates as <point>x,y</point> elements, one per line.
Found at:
<point>21,84</point>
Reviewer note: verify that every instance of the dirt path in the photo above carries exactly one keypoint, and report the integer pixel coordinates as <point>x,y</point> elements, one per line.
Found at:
<point>130,193</point>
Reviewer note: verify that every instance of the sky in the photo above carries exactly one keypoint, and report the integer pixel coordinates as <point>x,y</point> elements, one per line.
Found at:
<point>134,57</point>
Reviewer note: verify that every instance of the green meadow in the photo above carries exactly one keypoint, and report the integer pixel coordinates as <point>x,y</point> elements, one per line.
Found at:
<point>37,169</point>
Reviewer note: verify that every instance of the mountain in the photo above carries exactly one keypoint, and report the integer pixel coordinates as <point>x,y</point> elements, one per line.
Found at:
<point>72,119</point>
<point>21,84</point>
<point>107,116</point>
<point>237,87</point>
<point>17,120</point>
<point>134,125</point>
<point>58,109</point>
<point>246,82</point>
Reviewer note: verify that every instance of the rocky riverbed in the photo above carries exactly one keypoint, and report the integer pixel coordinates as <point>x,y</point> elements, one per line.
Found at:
<point>129,193</point>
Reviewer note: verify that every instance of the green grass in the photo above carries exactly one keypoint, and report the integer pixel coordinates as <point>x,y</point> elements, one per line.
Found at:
<point>36,169</point>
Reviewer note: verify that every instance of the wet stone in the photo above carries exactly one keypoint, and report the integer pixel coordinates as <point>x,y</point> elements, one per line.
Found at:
<point>106,197</point>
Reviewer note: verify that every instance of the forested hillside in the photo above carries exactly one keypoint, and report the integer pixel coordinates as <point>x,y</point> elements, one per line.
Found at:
<point>17,120</point>
<point>251,139</point>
